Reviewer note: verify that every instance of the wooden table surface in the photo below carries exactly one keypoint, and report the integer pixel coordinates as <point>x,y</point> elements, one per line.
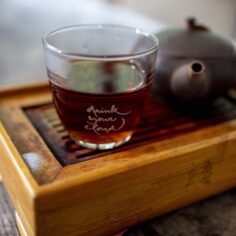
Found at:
<point>22,23</point>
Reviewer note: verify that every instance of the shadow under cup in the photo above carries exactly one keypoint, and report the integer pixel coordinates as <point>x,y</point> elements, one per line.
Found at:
<point>100,77</point>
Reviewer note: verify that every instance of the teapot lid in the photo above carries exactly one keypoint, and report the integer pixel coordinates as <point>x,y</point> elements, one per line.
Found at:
<point>194,41</point>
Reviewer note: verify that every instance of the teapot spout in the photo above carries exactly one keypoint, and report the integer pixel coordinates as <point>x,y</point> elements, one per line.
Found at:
<point>190,82</point>
<point>196,68</point>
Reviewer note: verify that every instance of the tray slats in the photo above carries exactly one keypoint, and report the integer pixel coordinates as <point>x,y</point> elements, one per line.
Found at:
<point>160,121</point>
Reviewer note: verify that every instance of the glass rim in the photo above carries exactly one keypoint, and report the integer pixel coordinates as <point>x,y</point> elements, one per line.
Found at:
<point>114,56</point>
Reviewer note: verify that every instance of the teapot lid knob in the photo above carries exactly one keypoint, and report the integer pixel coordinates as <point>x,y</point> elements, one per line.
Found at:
<point>193,25</point>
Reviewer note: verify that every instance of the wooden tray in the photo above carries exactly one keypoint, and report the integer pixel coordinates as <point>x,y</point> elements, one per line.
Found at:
<point>59,188</point>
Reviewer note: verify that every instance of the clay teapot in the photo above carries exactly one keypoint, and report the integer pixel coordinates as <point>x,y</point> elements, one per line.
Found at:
<point>194,64</point>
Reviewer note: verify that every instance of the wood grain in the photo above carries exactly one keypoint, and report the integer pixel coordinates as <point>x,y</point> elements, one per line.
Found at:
<point>20,187</point>
<point>35,153</point>
<point>215,216</point>
<point>108,194</point>
<point>146,191</point>
<point>33,94</point>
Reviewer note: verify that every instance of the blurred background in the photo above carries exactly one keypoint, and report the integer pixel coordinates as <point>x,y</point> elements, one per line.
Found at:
<point>24,22</point>
<point>220,15</point>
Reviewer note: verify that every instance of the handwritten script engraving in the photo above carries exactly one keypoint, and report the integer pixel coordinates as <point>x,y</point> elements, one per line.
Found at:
<point>105,120</point>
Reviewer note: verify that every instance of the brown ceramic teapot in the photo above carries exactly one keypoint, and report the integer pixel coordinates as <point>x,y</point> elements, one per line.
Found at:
<point>194,64</point>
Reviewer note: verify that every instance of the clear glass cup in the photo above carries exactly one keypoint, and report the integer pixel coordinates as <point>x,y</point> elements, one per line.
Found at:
<point>100,77</point>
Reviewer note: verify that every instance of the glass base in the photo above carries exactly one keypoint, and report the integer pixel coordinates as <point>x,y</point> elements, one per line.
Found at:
<point>103,146</point>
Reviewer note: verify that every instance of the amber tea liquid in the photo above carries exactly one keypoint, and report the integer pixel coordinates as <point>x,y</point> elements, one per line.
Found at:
<point>100,103</point>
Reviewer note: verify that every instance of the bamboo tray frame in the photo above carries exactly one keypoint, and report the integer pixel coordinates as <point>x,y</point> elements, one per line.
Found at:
<point>105,195</point>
